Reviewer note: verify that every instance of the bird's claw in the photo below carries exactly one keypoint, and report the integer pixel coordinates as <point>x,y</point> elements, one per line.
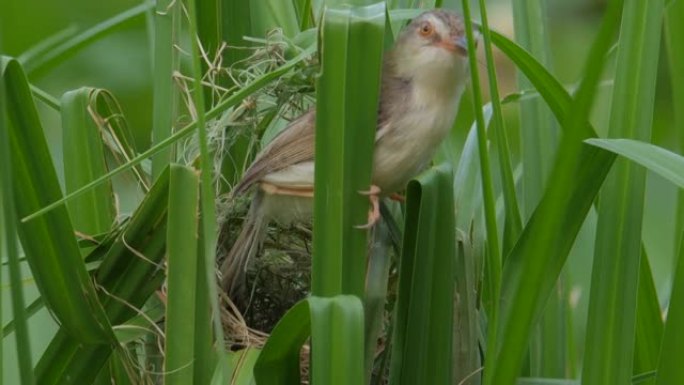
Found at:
<point>374,214</point>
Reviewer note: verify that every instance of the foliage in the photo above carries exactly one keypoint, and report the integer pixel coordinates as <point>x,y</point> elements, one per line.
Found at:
<point>482,276</point>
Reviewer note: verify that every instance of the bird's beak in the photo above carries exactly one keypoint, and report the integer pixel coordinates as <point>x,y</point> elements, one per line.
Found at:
<point>461,45</point>
<point>457,45</point>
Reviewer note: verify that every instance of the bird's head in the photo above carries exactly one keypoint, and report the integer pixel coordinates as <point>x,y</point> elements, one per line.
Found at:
<point>433,49</point>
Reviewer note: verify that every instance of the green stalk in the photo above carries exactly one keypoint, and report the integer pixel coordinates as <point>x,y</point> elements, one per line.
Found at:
<point>512,222</point>
<point>166,29</point>
<point>493,256</point>
<point>207,199</point>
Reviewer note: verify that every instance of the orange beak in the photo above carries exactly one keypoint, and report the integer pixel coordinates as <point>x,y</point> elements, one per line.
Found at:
<point>458,45</point>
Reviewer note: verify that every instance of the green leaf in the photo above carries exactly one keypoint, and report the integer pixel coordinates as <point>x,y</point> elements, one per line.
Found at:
<point>129,274</point>
<point>346,116</point>
<point>48,241</point>
<point>9,249</point>
<point>493,260</point>
<point>670,369</point>
<point>167,17</point>
<point>93,212</point>
<point>649,322</point>
<point>270,14</point>
<point>62,51</point>
<point>512,219</point>
<point>278,363</point>
<point>207,220</point>
<point>337,340</point>
<point>181,271</point>
<point>533,266</point>
<point>657,159</point>
<point>609,350</point>
<point>674,35</point>
<point>423,323</point>
<point>186,131</point>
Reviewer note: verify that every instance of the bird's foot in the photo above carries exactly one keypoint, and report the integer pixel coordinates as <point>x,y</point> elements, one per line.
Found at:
<point>373,194</point>
<point>398,197</point>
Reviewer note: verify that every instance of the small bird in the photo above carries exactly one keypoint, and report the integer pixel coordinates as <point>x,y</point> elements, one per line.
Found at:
<point>423,78</point>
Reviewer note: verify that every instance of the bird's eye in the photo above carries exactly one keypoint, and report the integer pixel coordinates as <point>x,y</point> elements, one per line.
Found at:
<point>426,29</point>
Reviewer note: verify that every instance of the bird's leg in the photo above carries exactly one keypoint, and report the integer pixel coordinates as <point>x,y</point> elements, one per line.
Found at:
<point>397,197</point>
<point>279,190</point>
<point>373,216</point>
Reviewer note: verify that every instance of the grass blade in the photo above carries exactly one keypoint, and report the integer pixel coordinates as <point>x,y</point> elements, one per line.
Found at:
<point>186,131</point>
<point>278,363</point>
<point>207,199</point>
<point>9,250</point>
<point>422,348</point>
<point>270,14</point>
<point>609,350</point>
<point>649,322</point>
<point>166,60</point>
<point>337,340</point>
<point>346,116</point>
<point>534,264</point>
<point>513,221</point>
<point>69,47</point>
<point>674,35</point>
<point>125,282</point>
<point>48,241</point>
<point>538,133</point>
<point>492,256</point>
<point>93,212</point>
<point>670,369</point>
<point>181,276</point>
<point>659,160</point>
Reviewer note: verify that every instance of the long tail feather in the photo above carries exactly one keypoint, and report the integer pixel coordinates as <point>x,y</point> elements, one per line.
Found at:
<point>246,246</point>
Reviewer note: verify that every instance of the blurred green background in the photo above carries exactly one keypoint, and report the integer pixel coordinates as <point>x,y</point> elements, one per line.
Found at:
<point>121,63</point>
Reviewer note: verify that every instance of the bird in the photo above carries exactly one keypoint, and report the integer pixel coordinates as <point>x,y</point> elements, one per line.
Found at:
<point>423,77</point>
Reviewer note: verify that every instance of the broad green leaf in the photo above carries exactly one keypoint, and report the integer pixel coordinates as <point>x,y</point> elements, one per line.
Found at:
<point>243,361</point>
<point>93,212</point>
<point>129,274</point>
<point>167,19</point>
<point>9,248</point>
<point>181,271</point>
<point>236,24</point>
<point>674,35</point>
<point>270,14</point>
<point>346,116</point>
<point>48,241</point>
<point>337,340</point>
<point>670,368</point>
<point>657,159</point>
<point>278,363</point>
<point>608,357</point>
<point>423,321</point>
<point>67,361</point>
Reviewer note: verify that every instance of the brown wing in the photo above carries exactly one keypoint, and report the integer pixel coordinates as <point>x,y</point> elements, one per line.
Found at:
<point>295,144</point>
